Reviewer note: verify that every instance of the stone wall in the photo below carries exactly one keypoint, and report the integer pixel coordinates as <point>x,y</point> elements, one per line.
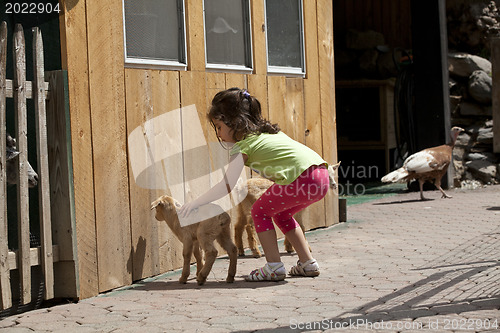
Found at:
<point>471,24</point>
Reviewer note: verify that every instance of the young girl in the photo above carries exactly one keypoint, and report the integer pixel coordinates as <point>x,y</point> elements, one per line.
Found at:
<point>300,178</point>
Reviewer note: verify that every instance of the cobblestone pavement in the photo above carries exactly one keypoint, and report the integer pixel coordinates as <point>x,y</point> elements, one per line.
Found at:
<point>398,264</point>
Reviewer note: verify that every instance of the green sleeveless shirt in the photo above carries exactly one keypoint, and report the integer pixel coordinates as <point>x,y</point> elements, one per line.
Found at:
<point>277,156</point>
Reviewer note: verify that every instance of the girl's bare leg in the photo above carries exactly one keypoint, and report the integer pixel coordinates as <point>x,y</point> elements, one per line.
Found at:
<point>270,245</point>
<point>299,243</point>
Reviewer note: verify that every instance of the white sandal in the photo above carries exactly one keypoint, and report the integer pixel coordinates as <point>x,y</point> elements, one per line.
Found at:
<point>310,268</point>
<point>265,273</point>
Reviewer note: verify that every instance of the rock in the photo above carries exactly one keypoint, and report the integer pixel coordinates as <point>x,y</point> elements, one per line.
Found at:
<point>482,170</point>
<point>458,153</point>
<point>458,88</point>
<point>474,129</point>
<point>358,40</point>
<point>470,184</point>
<point>471,24</point>
<point>485,136</point>
<point>480,84</point>
<point>476,156</point>
<point>463,64</point>
<point>455,104</point>
<point>463,140</point>
<point>468,176</point>
<point>485,21</point>
<point>459,172</point>
<point>452,83</point>
<point>473,109</point>
<point>480,148</point>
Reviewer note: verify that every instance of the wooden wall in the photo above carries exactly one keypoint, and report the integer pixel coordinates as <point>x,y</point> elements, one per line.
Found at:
<point>119,241</point>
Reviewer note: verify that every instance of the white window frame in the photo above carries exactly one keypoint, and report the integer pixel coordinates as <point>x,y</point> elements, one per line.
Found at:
<point>283,70</point>
<point>146,63</point>
<point>231,68</point>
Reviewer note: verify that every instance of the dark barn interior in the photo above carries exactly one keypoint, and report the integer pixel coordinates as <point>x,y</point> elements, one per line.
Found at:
<point>391,83</point>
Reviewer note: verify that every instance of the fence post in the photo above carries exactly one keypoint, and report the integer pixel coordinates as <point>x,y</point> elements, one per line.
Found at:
<point>5,294</point>
<point>19,85</point>
<point>47,261</point>
<point>495,59</point>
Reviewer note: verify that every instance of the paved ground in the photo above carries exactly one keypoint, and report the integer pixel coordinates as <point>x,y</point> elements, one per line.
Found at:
<point>399,264</point>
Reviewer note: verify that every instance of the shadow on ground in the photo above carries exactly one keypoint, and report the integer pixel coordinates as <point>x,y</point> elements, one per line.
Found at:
<point>464,280</point>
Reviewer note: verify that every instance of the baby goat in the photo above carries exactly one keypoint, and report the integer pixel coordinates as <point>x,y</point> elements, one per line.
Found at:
<point>199,235</point>
<point>256,187</point>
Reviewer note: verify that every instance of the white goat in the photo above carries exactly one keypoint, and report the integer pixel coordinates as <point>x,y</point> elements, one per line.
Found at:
<point>200,235</point>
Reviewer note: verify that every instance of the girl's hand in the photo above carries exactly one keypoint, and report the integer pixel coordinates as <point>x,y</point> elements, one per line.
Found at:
<point>187,208</point>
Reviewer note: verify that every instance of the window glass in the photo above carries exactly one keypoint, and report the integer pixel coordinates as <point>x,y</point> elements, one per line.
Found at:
<point>154,30</point>
<point>284,31</point>
<point>227,32</point>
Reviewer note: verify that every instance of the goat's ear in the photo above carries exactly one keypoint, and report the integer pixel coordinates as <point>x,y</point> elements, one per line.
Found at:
<point>155,204</point>
<point>335,166</point>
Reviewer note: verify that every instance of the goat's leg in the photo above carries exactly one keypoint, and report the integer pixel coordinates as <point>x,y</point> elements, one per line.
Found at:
<point>210,254</point>
<point>224,239</point>
<point>187,251</point>
<point>238,232</point>
<point>252,242</point>
<point>198,256</point>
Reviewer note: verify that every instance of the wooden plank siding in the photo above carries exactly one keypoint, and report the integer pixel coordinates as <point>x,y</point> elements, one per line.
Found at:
<point>74,45</point>
<point>109,137</point>
<point>144,234</point>
<point>327,97</point>
<point>165,98</point>
<point>312,106</point>
<point>119,241</point>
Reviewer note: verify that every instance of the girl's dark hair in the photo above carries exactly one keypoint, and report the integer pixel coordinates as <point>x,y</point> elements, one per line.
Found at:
<point>241,112</point>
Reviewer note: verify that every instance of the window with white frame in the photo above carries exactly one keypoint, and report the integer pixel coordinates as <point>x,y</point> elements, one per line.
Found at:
<point>285,37</point>
<point>228,35</point>
<point>155,33</point>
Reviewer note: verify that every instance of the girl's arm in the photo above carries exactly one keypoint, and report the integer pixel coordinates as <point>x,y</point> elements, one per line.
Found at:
<point>221,189</point>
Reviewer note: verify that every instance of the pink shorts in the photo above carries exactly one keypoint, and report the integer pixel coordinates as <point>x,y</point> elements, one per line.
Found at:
<point>280,202</point>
